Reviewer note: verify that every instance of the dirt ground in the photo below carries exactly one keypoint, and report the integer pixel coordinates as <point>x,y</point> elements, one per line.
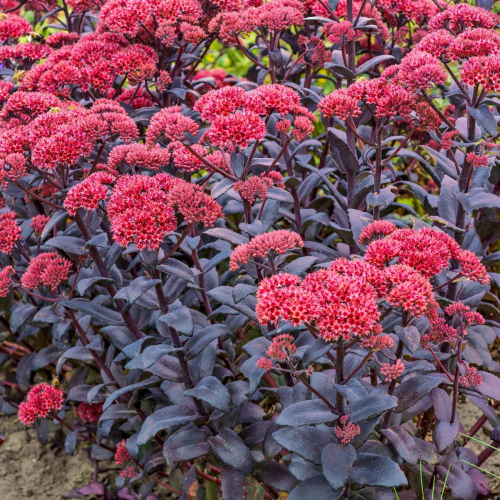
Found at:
<point>31,471</point>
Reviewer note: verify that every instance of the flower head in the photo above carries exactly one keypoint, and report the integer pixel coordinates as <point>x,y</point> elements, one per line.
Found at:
<point>472,268</point>
<point>6,280</point>
<point>169,124</point>
<point>47,269</point>
<point>10,232</point>
<point>236,130</point>
<point>257,186</point>
<point>346,431</point>
<point>281,348</point>
<point>122,456</point>
<point>41,400</point>
<point>276,242</point>
<point>194,204</point>
<point>461,17</point>
<point>38,223</point>
<point>140,211</point>
<point>88,413</point>
<point>471,378</point>
<point>376,230</point>
<point>88,193</point>
<point>392,372</point>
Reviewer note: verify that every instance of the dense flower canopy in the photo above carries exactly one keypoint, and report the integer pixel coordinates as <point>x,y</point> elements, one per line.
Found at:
<point>255,242</point>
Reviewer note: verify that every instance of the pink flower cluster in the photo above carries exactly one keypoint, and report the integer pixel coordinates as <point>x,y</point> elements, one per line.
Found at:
<point>257,185</point>
<point>48,269</point>
<point>122,456</point>
<point>391,95</point>
<point>88,193</point>
<point>88,413</point>
<point>171,125</point>
<point>392,372</point>
<point>235,115</point>
<point>426,250</point>
<point>41,400</point>
<point>138,156</point>
<point>276,242</point>
<point>281,349</point>
<point>6,280</point>
<point>10,232</point>
<point>38,223</point>
<point>346,431</point>
<point>338,305</point>
<point>471,378</point>
<point>141,209</point>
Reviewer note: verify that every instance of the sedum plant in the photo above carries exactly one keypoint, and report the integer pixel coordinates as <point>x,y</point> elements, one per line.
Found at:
<point>274,282</point>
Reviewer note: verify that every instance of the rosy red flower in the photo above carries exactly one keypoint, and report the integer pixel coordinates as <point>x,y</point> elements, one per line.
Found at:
<point>341,32</point>
<point>88,413</point>
<point>346,431</point>
<point>392,372</point>
<point>477,160</point>
<point>472,268</point>
<point>170,124</point>
<point>341,104</point>
<point>12,168</point>
<point>447,139</point>
<point>236,130</point>
<point>272,295</point>
<point>38,223</point>
<point>47,269</point>
<point>257,186</point>
<point>6,280</point>
<point>140,212</point>
<point>377,342</point>
<point>59,38</point>
<point>14,26</point>
<point>41,400</point>
<point>281,348</point>
<point>138,156</point>
<point>409,290</point>
<point>265,364</point>
<point>10,232</point>
<point>88,193</point>
<point>122,456</point>
<point>420,70</point>
<point>464,315</point>
<point>471,378</point>
<point>461,17</point>
<point>484,71</point>
<point>194,204</point>
<point>129,472</point>
<point>436,43</point>
<point>473,43</point>
<point>276,242</point>
<point>376,230</point>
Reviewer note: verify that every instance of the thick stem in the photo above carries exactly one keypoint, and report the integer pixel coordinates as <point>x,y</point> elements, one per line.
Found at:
<point>485,454</point>
<point>392,385</point>
<point>332,408</point>
<point>339,374</point>
<point>176,341</point>
<point>377,178</point>
<point>455,383</point>
<point>356,370</point>
<point>101,266</point>
<point>177,244</point>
